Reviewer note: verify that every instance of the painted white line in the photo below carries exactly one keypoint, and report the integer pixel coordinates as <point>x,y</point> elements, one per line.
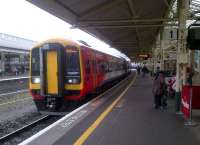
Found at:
<point>11,93</point>
<point>14,78</point>
<point>29,140</point>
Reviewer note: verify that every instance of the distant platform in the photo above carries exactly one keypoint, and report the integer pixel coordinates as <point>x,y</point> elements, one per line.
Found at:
<point>10,78</point>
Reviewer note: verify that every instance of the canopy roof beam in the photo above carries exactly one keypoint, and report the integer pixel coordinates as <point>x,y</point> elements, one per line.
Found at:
<point>106,4</point>
<point>123,26</point>
<point>133,20</point>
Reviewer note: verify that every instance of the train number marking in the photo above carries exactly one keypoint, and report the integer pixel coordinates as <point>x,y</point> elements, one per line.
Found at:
<point>70,121</point>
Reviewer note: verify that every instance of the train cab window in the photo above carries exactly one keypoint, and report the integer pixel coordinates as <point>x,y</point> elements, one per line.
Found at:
<point>72,62</point>
<point>72,66</point>
<point>35,62</point>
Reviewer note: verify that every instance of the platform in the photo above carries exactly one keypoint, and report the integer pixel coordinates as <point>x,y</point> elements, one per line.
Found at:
<point>132,121</point>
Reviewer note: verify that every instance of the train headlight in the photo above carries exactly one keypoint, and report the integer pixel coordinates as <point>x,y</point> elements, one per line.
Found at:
<point>35,80</point>
<point>72,80</point>
<point>75,81</point>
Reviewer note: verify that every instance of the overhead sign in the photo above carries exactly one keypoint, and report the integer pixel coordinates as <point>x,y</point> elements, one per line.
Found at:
<point>144,56</point>
<point>193,38</point>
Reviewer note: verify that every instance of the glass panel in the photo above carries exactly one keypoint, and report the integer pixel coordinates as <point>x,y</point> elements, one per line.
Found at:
<point>197,33</point>
<point>35,62</point>
<point>72,62</point>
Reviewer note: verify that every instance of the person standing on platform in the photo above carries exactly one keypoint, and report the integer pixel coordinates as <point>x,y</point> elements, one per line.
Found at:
<point>157,70</point>
<point>158,89</point>
<point>144,71</point>
<point>138,70</point>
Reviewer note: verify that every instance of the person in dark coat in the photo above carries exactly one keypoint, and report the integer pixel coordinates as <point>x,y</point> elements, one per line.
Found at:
<point>138,70</point>
<point>158,89</point>
<point>144,71</point>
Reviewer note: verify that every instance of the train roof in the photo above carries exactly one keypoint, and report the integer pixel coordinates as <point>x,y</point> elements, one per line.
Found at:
<point>76,43</point>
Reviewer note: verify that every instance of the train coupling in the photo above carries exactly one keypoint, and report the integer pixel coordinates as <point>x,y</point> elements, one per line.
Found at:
<point>51,103</point>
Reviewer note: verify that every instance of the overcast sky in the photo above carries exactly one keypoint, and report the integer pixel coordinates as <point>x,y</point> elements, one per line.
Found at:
<point>21,18</point>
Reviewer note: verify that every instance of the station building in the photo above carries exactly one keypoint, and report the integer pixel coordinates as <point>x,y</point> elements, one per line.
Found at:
<point>14,55</point>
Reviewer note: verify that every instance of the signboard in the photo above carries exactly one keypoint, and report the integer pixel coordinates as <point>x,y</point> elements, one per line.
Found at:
<point>185,100</point>
<point>144,56</point>
<point>193,38</point>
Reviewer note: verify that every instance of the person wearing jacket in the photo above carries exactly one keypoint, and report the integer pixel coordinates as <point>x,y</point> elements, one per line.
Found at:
<point>158,89</point>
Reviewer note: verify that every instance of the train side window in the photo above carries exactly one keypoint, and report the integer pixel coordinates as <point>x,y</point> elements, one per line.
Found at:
<point>110,67</point>
<point>102,66</point>
<point>87,67</point>
<point>105,66</point>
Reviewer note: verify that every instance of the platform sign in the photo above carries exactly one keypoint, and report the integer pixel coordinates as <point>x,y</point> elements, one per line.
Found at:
<point>185,100</point>
<point>144,56</point>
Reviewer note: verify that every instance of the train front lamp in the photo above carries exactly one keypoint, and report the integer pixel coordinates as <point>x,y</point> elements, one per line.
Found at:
<point>73,80</point>
<point>35,80</point>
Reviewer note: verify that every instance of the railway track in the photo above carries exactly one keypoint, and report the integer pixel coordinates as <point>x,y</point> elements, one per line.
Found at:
<point>13,85</point>
<point>15,92</point>
<point>13,97</point>
<point>27,128</point>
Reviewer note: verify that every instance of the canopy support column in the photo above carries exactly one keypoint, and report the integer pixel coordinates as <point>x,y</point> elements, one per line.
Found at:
<point>182,55</point>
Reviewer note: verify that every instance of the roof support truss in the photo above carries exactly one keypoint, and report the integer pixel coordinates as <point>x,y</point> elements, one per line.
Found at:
<point>133,14</point>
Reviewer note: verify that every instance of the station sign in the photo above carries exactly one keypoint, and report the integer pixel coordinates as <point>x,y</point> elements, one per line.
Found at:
<point>144,56</point>
<point>193,38</point>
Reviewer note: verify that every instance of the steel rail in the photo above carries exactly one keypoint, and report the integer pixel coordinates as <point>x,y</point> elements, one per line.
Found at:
<point>16,92</point>
<point>23,129</point>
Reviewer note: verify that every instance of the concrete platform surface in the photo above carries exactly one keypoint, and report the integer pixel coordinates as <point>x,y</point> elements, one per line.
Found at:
<point>132,121</point>
<point>136,122</point>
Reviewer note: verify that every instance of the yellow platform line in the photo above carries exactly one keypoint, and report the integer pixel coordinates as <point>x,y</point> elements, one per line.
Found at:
<point>89,131</point>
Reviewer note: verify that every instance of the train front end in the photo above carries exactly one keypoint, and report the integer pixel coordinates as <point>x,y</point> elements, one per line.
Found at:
<point>55,75</point>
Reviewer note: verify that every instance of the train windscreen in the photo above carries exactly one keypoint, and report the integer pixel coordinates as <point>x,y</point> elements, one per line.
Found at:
<point>72,62</point>
<point>35,62</point>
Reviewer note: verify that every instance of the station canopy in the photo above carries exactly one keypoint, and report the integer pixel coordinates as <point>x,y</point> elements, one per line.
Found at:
<point>131,26</point>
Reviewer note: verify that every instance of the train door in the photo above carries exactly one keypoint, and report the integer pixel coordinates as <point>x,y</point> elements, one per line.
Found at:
<point>51,70</point>
<point>88,75</point>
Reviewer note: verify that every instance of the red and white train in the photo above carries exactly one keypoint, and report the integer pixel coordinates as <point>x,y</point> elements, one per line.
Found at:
<point>63,70</point>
